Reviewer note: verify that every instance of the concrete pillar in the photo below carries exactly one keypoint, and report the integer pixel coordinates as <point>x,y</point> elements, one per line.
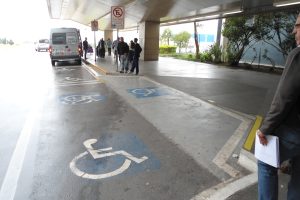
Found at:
<point>149,40</point>
<point>108,34</point>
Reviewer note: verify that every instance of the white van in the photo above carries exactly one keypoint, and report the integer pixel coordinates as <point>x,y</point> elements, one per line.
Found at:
<point>65,45</point>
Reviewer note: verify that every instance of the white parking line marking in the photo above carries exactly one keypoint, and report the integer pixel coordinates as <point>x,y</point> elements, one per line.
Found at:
<point>10,182</point>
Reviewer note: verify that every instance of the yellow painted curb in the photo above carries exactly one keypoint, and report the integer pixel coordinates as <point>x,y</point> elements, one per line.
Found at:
<point>251,137</point>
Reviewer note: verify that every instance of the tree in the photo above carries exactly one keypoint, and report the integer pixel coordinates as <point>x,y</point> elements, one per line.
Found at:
<point>11,42</point>
<point>275,30</point>
<point>182,39</point>
<point>240,33</point>
<point>166,36</point>
<point>3,41</point>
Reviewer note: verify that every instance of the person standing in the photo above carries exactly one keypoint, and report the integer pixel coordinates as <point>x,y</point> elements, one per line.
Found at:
<point>131,52</point>
<point>115,46</point>
<point>108,45</point>
<point>123,50</point>
<point>102,48</point>
<point>85,47</point>
<point>283,120</point>
<point>136,56</point>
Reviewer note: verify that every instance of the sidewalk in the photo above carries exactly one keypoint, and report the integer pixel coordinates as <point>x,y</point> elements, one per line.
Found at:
<point>216,154</point>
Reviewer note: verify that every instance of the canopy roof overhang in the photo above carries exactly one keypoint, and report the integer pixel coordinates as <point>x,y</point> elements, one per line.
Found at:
<point>161,11</point>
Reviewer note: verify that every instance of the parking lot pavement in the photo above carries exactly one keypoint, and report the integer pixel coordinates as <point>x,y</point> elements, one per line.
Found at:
<point>215,117</point>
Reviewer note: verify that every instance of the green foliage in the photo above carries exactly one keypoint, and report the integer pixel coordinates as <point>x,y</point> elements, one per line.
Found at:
<point>5,41</point>
<point>206,56</point>
<point>182,39</point>
<point>275,30</point>
<point>10,42</point>
<point>166,36</point>
<point>271,28</point>
<point>165,49</point>
<point>240,34</point>
<point>215,52</point>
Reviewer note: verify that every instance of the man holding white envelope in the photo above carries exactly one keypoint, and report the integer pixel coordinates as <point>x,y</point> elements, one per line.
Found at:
<point>283,120</point>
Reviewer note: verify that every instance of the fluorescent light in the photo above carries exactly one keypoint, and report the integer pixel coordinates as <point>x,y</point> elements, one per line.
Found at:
<point>286,4</point>
<point>211,16</point>
<point>233,12</point>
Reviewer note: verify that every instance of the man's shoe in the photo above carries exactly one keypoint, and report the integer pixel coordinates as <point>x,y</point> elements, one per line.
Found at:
<point>121,71</point>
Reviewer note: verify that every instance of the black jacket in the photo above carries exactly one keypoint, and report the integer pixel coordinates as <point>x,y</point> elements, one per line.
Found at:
<point>123,48</point>
<point>85,45</point>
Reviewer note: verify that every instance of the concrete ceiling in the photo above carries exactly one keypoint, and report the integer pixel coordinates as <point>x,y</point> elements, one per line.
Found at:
<point>162,11</point>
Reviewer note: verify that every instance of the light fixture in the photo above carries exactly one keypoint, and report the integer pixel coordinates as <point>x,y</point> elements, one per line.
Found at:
<point>233,12</point>
<point>286,4</point>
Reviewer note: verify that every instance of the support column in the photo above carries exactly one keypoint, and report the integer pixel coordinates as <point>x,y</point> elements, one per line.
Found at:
<point>149,40</point>
<point>108,34</point>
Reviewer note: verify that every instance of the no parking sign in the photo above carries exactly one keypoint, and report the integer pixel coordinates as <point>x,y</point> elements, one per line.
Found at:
<point>117,17</point>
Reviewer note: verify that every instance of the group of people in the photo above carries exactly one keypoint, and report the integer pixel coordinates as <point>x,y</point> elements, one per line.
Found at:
<point>102,45</point>
<point>128,55</point>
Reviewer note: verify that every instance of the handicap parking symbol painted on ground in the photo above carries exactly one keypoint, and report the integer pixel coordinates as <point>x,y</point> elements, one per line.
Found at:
<point>76,99</point>
<point>113,155</point>
<point>147,92</point>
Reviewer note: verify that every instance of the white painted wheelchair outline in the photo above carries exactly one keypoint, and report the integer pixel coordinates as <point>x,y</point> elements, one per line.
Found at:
<point>144,91</point>
<point>80,99</point>
<point>102,153</point>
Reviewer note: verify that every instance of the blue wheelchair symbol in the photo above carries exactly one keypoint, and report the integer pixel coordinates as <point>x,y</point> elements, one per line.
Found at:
<point>112,155</point>
<point>147,92</point>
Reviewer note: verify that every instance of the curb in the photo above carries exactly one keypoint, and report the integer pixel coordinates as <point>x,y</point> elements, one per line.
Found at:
<point>96,67</point>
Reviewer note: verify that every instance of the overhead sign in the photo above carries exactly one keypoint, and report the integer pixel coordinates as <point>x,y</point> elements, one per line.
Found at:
<point>117,17</point>
<point>94,25</point>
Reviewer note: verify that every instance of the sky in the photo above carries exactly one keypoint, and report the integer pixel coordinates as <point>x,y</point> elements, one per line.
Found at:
<point>28,20</point>
<point>23,20</point>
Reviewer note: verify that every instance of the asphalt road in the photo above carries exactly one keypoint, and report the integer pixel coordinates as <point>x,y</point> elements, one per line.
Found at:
<point>47,113</point>
<point>68,134</point>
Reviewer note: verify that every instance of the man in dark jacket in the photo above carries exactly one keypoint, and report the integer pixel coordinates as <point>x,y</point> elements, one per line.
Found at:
<point>85,47</point>
<point>123,50</point>
<point>283,120</point>
<point>136,57</point>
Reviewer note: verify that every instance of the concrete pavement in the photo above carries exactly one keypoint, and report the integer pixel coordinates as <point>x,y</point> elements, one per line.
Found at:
<point>207,110</point>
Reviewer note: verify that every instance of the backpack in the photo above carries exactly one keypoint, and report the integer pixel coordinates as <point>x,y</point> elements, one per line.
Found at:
<point>138,49</point>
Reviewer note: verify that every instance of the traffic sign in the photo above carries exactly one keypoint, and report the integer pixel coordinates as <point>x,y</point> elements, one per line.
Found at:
<point>94,25</point>
<point>117,17</point>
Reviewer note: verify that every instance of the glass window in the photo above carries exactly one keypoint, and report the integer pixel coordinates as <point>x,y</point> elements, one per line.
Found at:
<point>202,37</point>
<point>210,38</point>
<point>44,41</point>
<point>71,38</point>
<point>59,38</point>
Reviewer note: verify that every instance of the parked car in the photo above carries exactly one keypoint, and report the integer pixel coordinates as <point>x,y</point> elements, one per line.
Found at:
<point>42,45</point>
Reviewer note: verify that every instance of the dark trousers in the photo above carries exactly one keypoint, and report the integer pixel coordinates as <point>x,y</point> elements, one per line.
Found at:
<point>135,65</point>
<point>85,52</point>
<point>109,51</point>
